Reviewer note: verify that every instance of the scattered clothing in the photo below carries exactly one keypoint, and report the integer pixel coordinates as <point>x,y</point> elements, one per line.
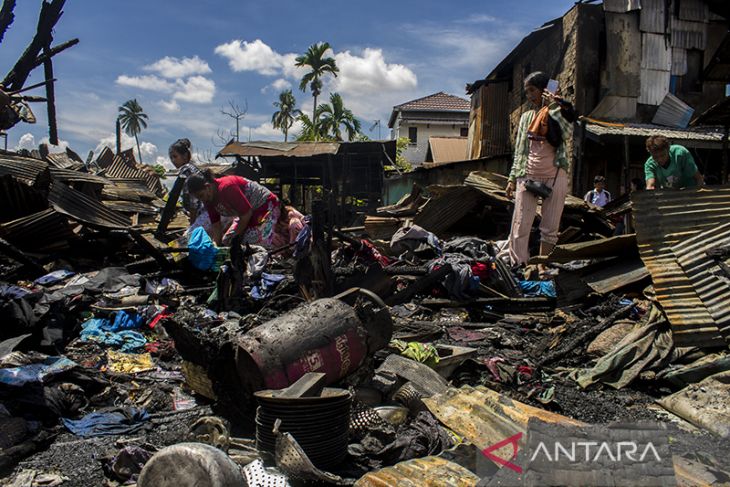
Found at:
<point>538,288</point>
<point>36,373</point>
<point>120,421</point>
<point>54,277</point>
<point>129,363</point>
<point>266,286</point>
<point>126,321</point>
<point>425,353</point>
<point>99,330</point>
<point>202,251</point>
<point>473,247</point>
<point>458,283</point>
<point>414,239</point>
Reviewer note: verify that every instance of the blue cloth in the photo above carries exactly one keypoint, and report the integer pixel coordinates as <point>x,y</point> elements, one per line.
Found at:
<point>38,373</point>
<point>100,330</point>
<point>266,286</point>
<point>121,422</point>
<point>202,252</point>
<point>54,277</point>
<point>126,321</point>
<point>538,288</point>
<point>10,291</point>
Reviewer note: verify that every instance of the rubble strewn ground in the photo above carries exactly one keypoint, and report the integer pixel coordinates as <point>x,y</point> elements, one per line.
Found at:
<point>116,324</point>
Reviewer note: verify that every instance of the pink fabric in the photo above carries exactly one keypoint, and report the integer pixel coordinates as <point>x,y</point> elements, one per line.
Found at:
<point>286,234</point>
<point>541,160</point>
<point>525,211</point>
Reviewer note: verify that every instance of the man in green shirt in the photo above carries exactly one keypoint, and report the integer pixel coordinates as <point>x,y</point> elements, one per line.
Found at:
<point>670,166</point>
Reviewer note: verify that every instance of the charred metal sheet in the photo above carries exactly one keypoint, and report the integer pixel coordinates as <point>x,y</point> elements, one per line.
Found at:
<point>448,207</point>
<point>27,169</point>
<point>131,207</point>
<point>616,274</point>
<point>69,175</point>
<point>62,160</point>
<point>592,249</point>
<point>106,157</point>
<point>44,230</point>
<point>17,199</point>
<point>128,169</point>
<point>485,417</point>
<point>664,219</point>
<point>84,208</point>
<point>128,189</point>
<point>426,471</point>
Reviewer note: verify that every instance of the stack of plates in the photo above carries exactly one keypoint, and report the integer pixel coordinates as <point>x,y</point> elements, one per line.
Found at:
<point>319,424</point>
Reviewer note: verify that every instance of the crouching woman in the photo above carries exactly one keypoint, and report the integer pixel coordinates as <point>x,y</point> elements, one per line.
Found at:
<point>540,161</point>
<point>255,209</point>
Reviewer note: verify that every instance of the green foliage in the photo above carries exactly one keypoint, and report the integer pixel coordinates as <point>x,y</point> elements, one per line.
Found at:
<point>319,65</point>
<point>160,170</point>
<point>286,115</point>
<point>400,161</point>
<point>334,116</point>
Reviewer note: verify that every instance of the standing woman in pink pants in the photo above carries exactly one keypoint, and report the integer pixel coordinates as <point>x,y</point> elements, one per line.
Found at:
<point>540,157</point>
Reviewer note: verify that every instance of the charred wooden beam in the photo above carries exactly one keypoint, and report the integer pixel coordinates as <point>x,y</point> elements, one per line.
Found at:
<point>51,95</point>
<point>48,54</point>
<point>6,16</point>
<point>50,14</point>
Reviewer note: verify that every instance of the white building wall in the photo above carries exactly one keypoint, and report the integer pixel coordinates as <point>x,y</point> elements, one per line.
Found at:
<point>416,153</point>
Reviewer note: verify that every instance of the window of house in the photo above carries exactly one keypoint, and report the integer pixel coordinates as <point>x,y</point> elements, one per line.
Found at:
<point>464,131</point>
<point>413,135</point>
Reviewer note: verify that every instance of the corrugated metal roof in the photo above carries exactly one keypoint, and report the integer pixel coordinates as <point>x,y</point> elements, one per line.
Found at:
<point>673,112</point>
<point>592,249</point>
<point>44,230</point>
<point>122,168</point>
<point>279,149</point>
<point>663,220</point>
<point>448,207</point>
<point>656,53</point>
<point>688,34</point>
<point>652,16</point>
<point>654,86</point>
<point>420,472</point>
<point>131,207</point>
<point>646,130</point>
<point>81,207</point>
<point>18,199</point>
<point>446,149</point>
<point>616,274</point>
<point>77,176</point>
<point>26,169</point>
<point>62,160</point>
<point>621,6</point>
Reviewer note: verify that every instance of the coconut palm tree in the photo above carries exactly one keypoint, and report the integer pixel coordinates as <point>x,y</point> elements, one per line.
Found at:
<point>319,65</point>
<point>133,120</point>
<point>309,132</point>
<point>334,116</point>
<point>286,115</point>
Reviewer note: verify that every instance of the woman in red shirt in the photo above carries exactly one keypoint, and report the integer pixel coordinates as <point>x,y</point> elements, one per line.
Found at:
<point>254,207</point>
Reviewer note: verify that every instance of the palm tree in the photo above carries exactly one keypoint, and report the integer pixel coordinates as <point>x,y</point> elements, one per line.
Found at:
<point>335,115</point>
<point>319,65</point>
<point>284,118</point>
<point>133,120</point>
<point>309,132</point>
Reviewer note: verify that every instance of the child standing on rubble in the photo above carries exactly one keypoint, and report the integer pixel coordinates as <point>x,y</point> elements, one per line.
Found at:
<point>255,209</point>
<point>540,159</point>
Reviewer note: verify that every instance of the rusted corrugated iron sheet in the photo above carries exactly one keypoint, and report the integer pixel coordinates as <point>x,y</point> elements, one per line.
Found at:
<point>69,175</point>
<point>656,52</point>
<point>40,231</point>
<point>105,158</point>
<point>664,219</point>
<point>124,169</point>
<point>654,86</point>
<point>131,207</point>
<point>616,274</point>
<point>592,249</point>
<point>81,207</point>
<point>687,34</point>
<point>485,417</point>
<point>17,199</point>
<point>62,160</point>
<point>420,472</point>
<point>279,149</point>
<point>653,16</point>
<point>708,279</point>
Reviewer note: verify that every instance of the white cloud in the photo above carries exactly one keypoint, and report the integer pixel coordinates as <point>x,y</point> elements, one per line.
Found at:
<point>164,162</point>
<point>172,67</point>
<point>146,82</point>
<point>251,56</point>
<point>477,19</point>
<point>61,147</point>
<point>370,74</point>
<point>169,106</point>
<point>148,149</point>
<point>196,89</point>
<point>26,141</point>
<point>277,86</point>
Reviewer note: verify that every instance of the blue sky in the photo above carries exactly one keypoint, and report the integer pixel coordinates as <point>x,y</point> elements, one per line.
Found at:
<point>184,60</point>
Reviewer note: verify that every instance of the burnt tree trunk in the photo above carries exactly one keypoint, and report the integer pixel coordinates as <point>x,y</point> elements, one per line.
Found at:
<point>6,17</point>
